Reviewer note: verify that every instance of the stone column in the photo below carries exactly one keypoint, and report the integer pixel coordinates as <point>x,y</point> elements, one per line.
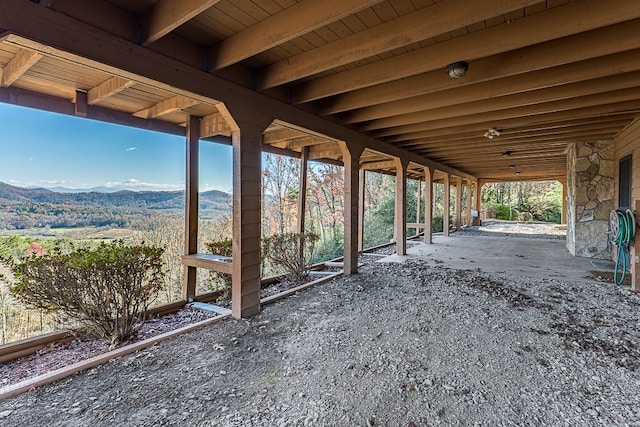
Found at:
<point>590,193</point>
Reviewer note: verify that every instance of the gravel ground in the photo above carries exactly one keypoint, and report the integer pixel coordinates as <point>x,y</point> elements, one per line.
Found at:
<point>397,345</point>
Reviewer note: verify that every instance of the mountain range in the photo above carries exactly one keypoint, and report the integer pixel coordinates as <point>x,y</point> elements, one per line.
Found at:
<point>127,199</point>
<point>28,207</point>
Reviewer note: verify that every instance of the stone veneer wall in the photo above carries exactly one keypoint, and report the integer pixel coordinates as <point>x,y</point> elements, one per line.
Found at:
<point>590,192</point>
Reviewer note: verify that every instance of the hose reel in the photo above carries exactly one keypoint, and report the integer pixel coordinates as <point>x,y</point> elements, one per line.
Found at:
<point>623,227</point>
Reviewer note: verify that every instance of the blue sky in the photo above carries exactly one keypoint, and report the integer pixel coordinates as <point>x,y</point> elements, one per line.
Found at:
<point>49,150</point>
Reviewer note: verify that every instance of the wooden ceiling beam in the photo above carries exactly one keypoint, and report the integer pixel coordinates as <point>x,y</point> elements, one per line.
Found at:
<point>627,108</point>
<point>294,21</point>
<point>602,42</point>
<point>168,106</point>
<point>384,164</point>
<point>308,140</point>
<point>514,147</point>
<point>213,125</point>
<point>325,151</point>
<point>480,128</point>
<point>539,168</point>
<point>414,27</point>
<point>514,134</point>
<point>281,134</point>
<point>472,153</point>
<point>562,21</point>
<point>28,25</point>
<point>528,158</point>
<point>518,114</point>
<point>453,153</point>
<point>18,65</point>
<point>303,141</point>
<point>107,89</point>
<point>25,98</point>
<point>167,15</point>
<point>536,97</point>
<point>550,128</point>
<point>535,165</point>
<point>551,79</point>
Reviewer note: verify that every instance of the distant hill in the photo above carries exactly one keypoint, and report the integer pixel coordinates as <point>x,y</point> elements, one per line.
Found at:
<point>29,207</point>
<point>83,190</point>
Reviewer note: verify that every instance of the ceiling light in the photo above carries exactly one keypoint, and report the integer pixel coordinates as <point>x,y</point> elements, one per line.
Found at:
<point>517,173</point>
<point>506,154</point>
<point>512,166</point>
<point>491,133</point>
<point>457,69</point>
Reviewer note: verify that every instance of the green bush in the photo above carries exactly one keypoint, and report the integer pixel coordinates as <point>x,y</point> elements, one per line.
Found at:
<point>505,212</point>
<point>221,281</point>
<point>436,224</point>
<point>106,289</point>
<point>291,253</point>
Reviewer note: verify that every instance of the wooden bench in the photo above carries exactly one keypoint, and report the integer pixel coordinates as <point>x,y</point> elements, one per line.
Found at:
<point>222,264</point>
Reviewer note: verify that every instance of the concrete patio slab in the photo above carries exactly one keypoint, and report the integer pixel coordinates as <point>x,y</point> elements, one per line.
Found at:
<point>531,257</point>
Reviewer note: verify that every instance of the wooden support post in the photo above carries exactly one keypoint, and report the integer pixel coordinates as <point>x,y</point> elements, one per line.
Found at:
<point>418,202</point>
<point>401,206</point>
<point>446,204</point>
<point>428,204</point>
<point>351,158</point>
<point>302,189</point>
<point>81,106</point>
<point>563,215</point>
<point>458,203</point>
<point>247,128</point>
<point>469,219</point>
<point>477,199</point>
<point>361,194</point>
<point>191,207</point>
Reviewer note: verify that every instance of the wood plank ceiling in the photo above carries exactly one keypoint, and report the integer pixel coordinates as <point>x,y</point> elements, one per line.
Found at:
<point>542,74</point>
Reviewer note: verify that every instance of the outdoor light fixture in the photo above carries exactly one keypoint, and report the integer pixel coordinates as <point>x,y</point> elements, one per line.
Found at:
<point>491,133</point>
<point>506,154</point>
<point>457,69</point>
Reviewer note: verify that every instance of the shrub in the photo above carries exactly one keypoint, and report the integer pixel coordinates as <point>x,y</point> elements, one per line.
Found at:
<point>291,252</point>
<point>436,223</point>
<point>505,212</point>
<point>221,281</point>
<point>106,289</point>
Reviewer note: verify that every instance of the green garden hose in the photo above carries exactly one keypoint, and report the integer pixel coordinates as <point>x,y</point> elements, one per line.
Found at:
<point>622,226</point>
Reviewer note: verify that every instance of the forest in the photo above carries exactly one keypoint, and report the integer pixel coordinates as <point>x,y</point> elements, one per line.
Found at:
<point>155,220</point>
<point>22,208</point>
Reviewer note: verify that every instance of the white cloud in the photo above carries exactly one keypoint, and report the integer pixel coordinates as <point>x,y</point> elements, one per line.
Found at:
<point>53,182</point>
<point>131,149</point>
<point>137,185</point>
<point>46,183</point>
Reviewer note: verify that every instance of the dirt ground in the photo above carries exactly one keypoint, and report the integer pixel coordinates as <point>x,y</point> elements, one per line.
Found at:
<point>413,344</point>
